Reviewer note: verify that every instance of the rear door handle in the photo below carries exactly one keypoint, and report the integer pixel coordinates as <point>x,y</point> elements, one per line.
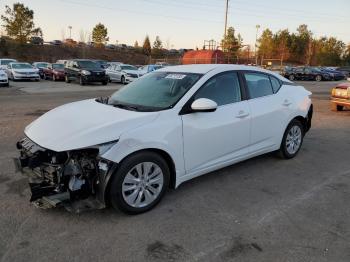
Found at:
<point>242,114</point>
<point>286,102</point>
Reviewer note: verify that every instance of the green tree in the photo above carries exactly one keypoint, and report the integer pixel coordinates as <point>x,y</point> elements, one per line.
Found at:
<point>157,50</point>
<point>146,47</point>
<point>230,43</point>
<point>281,43</point>
<point>19,23</point>
<point>266,44</point>
<point>99,34</point>
<point>329,51</point>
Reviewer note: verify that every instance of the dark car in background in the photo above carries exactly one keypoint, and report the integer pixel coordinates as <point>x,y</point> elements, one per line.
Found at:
<point>288,72</point>
<point>309,73</point>
<point>85,71</point>
<point>345,70</point>
<point>335,74</point>
<point>40,66</point>
<point>103,64</point>
<point>54,72</point>
<point>56,42</point>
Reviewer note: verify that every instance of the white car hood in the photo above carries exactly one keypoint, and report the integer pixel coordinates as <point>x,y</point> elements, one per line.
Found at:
<point>83,124</point>
<point>26,70</point>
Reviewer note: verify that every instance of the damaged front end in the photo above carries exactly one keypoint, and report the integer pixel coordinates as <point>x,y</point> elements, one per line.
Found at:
<point>74,179</point>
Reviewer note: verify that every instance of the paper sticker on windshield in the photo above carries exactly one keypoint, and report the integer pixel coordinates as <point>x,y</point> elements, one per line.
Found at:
<point>175,76</point>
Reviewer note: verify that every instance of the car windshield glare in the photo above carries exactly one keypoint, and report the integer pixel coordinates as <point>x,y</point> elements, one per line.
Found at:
<point>21,66</point>
<point>155,91</point>
<point>128,67</point>
<point>89,64</point>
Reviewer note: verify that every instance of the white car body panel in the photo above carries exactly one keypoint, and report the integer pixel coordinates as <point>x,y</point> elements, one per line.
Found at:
<point>3,77</point>
<point>197,143</point>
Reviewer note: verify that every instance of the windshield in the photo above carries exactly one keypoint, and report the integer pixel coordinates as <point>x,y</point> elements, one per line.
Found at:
<point>43,65</point>
<point>88,64</point>
<point>6,62</point>
<point>128,67</point>
<point>21,66</point>
<point>155,91</point>
<point>58,66</point>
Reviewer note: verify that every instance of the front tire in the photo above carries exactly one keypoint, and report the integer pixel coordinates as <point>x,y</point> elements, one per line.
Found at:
<point>139,183</point>
<point>292,140</point>
<point>81,81</point>
<point>123,80</point>
<point>318,78</point>
<point>291,78</point>
<point>66,79</point>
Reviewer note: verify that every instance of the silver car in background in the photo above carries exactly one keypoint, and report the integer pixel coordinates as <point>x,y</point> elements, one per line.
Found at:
<point>22,71</point>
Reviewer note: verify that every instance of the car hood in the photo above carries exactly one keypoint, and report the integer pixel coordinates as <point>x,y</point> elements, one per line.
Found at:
<point>26,70</point>
<point>84,124</point>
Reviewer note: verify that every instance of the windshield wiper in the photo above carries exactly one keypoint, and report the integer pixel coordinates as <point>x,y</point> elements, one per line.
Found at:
<point>127,107</point>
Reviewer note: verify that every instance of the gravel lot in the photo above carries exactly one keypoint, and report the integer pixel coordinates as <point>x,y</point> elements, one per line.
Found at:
<point>264,209</point>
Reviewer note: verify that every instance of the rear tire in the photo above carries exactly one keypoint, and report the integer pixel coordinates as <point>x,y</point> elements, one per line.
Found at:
<point>292,140</point>
<point>81,81</point>
<point>291,78</point>
<point>133,193</point>
<point>318,78</point>
<point>335,107</point>
<point>123,80</point>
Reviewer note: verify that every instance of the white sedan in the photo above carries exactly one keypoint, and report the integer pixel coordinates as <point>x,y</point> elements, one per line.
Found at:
<point>122,73</point>
<point>22,71</point>
<point>4,81</point>
<point>168,127</point>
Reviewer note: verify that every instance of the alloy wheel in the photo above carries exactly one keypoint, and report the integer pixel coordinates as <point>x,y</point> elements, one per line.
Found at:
<point>142,184</point>
<point>293,140</point>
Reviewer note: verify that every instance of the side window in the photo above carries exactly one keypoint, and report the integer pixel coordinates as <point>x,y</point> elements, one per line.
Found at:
<point>223,89</point>
<point>258,84</point>
<point>276,84</point>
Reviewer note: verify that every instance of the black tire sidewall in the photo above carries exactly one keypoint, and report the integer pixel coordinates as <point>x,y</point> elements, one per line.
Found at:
<point>115,193</point>
<point>283,148</point>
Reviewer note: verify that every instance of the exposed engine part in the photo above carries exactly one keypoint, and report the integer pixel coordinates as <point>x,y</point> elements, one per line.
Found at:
<point>58,176</point>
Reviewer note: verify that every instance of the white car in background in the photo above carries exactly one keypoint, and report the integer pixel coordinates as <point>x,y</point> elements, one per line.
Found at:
<point>5,61</point>
<point>170,126</point>
<point>22,71</point>
<point>122,73</point>
<point>148,69</point>
<point>4,80</point>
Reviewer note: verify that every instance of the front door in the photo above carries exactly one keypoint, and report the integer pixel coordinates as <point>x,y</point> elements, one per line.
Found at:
<point>216,138</point>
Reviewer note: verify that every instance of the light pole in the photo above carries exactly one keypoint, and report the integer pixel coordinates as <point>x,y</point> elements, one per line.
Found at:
<point>256,44</point>
<point>70,31</point>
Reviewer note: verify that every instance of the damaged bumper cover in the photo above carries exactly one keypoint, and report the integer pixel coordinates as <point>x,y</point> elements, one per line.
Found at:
<point>76,180</point>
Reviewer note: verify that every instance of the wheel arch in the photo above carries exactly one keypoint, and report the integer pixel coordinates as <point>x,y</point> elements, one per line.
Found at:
<point>165,155</point>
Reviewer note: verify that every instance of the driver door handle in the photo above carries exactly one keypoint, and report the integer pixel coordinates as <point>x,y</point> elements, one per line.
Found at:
<point>242,114</point>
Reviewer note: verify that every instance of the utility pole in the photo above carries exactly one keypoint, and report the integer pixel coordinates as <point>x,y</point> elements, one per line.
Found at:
<point>70,31</point>
<point>226,11</point>
<point>256,44</point>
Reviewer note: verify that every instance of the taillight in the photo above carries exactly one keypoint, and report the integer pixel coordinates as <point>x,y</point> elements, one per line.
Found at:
<point>333,91</point>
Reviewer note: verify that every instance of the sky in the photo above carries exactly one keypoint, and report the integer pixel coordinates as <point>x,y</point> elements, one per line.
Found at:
<point>186,24</point>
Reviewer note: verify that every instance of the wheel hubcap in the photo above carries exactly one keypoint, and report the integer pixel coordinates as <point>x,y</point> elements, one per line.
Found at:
<point>142,184</point>
<point>293,140</point>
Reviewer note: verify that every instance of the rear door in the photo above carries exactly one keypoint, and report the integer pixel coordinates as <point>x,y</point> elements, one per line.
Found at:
<point>216,138</point>
<point>269,109</point>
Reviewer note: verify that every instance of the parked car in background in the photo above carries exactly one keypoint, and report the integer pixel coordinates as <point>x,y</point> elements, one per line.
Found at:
<point>309,73</point>
<point>148,69</point>
<point>54,72</point>
<point>340,97</point>
<point>288,72</point>
<point>61,61</point>
<point>40,66</point>
<point>4,80</point>
<point>56,42</point>
<point>127,150</point>
<point>22,71</point>
<point>5,61</point>
<point>36,40</point>
<point>334,74</point>
<point>345,70</point>
<point>85,71</point>
<point>103,64</point>
<point>122,73</point>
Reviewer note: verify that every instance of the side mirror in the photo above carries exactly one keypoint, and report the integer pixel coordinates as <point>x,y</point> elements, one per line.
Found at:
<point>204,105</point>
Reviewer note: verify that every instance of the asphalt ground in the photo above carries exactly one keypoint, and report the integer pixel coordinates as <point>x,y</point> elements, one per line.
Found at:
<point>263,209</point>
